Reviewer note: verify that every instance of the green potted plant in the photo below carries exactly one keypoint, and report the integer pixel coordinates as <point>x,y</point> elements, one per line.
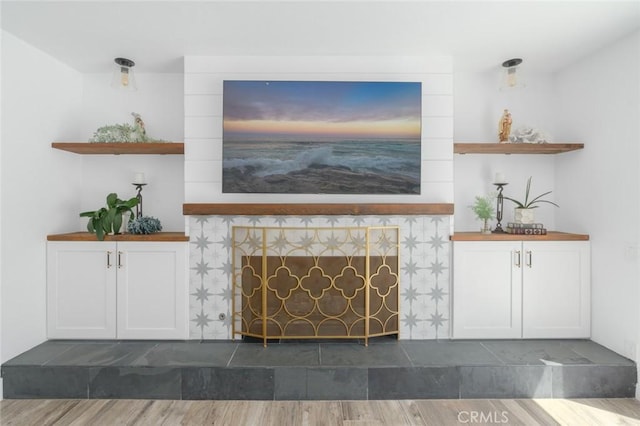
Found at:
<point>484,210</point>
<point>524,212</point>
<point>108,220</point>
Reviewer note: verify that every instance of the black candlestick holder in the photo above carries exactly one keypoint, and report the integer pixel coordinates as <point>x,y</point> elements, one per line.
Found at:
<point>499,208</point>
<point>139,197</point>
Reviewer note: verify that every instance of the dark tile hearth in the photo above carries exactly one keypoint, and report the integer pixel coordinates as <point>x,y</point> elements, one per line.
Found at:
<point>319,370</point>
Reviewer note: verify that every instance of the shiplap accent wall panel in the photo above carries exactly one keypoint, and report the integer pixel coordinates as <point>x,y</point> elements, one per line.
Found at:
<point>203,77</point>
<point>425,285</point>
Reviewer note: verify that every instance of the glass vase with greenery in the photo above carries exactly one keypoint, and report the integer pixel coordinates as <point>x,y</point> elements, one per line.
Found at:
<point>484,208</point>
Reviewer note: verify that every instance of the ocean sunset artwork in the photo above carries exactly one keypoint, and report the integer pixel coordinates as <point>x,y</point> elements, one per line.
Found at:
<point>321,137</point>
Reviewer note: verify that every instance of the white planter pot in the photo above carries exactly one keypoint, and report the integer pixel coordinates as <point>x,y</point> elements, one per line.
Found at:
<point>125,223</point>
<point>123,226</point>
<point>524,216</point>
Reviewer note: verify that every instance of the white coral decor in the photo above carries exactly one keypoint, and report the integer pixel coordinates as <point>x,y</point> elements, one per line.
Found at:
<point>529,135</point>
<point>123,132</point>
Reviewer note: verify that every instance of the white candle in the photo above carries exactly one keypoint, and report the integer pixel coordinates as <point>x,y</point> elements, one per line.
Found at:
<point>500,178</point>
<point>138,178</point>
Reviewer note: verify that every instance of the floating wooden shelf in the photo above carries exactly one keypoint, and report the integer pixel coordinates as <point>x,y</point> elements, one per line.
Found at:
<point>116,148</point>
<point>515,148</point>
<point>551,236</point>
<point>85,236</point>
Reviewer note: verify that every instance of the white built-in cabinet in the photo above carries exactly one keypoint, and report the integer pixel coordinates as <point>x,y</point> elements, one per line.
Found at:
<point>487,290</point>
<point>117,290</point>
<point>127,287</point>
<point>521,289</point>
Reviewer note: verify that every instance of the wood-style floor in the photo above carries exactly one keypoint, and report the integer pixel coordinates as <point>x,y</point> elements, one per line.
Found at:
<point>405,412</point>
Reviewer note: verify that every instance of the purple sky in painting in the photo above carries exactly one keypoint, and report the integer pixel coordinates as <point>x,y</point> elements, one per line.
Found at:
<point>301,107</point>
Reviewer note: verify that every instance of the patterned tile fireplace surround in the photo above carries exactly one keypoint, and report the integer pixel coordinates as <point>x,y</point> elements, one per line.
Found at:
<point>424,261</point>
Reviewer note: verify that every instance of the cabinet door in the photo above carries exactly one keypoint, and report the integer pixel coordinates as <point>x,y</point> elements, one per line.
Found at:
<point>81,290</point>
<point>487,289</point>
<point>556,295</point>
<point>152,292</point>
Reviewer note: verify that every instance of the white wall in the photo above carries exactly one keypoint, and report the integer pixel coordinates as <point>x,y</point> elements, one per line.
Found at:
<point>203,118</point>
<point>1,180</point>
<point>478,106</point>
<point>39,186</point>
<point>595,101</point>
<point>600,186</point>
<point>159,100</point>
<point>44,101</point>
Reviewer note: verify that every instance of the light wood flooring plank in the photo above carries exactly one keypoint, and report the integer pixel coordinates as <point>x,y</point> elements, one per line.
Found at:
<point>47,412</point>
<point>357,412</point>
<point>588,412</point>
<point>626,407</point>
<point>87,411</point>
<point>527,412</point>
<point>9,409</point>
<point>284,413</point>
<point>176,413</point>
<point>214,415</point>
<point>327,413</point>
<point>163,412</point>
<point>399,412</point>
<point>217,412</point>
<point>523,412</point>
<point>14,411</point>
<point>195,413</point>
<point>122,412</point>
<point>84,411</point>
<point>439,412</point>
<point>238,413</point>
<point>565,414</point>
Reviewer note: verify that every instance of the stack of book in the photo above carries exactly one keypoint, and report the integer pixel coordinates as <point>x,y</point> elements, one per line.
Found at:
<point>526,228</point>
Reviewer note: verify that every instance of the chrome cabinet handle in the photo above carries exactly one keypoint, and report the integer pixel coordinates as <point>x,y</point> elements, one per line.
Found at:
<point>517,252</point>
<point>120,259</point>
<point>529,258</point>
<point>109,260</point>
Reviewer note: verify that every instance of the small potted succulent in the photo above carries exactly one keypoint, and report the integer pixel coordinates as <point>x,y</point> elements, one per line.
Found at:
<point>108,220</point>
<point>484,209</point>
<point>144,225</point>
<point>524,212</point>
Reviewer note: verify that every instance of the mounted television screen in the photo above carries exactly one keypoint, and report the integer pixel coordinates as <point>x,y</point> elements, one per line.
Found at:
<point>321,137</point>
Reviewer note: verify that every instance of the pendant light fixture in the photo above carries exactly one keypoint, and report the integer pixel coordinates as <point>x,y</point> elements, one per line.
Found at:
<point>123,76</point>
<point>512,77</point>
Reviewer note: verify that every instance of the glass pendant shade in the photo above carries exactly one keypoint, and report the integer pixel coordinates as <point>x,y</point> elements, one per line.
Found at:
<point>123,75</point>
<point>512,76</point>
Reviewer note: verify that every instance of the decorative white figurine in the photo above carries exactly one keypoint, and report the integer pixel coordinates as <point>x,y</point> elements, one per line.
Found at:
<point>504,126</point>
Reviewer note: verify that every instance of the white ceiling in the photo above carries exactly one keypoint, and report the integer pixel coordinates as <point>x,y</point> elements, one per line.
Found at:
<point>548,35</point>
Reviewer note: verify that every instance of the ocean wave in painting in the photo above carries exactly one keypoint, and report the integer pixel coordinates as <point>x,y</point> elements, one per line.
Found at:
<point>358,167</point>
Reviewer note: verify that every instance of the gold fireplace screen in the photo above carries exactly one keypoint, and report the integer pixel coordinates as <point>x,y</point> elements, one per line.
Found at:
<point>314,283</point>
